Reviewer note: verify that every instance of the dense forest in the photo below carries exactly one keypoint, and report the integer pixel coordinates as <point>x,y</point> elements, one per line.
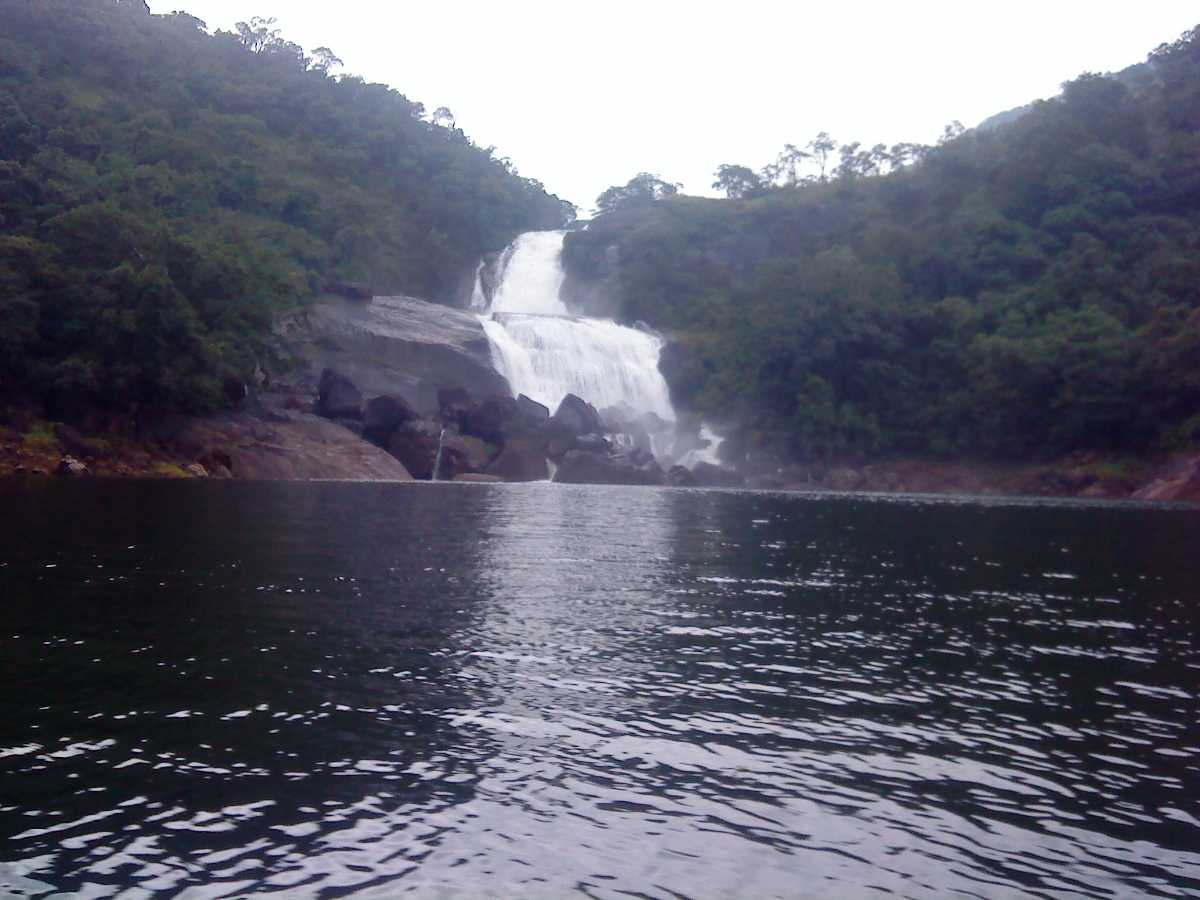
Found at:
<point>1019,290</point>
<point>164,192</point>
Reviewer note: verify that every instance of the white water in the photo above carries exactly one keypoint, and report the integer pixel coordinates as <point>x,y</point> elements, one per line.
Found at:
<point>545,353</point>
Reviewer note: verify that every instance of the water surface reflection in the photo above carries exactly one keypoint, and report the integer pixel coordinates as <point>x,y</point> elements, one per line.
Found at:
<point>216,690</point>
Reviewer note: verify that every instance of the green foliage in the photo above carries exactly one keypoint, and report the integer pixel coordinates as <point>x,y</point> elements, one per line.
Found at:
<point>1025,289</point>
<point>640,190</point>
<point>164,193</point>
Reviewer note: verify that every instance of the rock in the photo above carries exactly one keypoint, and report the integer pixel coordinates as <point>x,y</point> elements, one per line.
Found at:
<point>589,467</point>
<point>70,467</point>
<point>680,476</point>
<point>452,400</point>
<point>576,416</point>
<point>76,443</point>
<point>382,415</point>
<point>708,475</point>
<point>531,411</point>
<point>493,420</point>
<point>394,345</point>
<point>244,446</point>
<point>235,389</point>
<point>338,397</point>
<point>479,478</point>
<point>521,460</point>
<point>471,453</point>
<point>594,443</point>
<point>415,445</point>
<point>196,470</point>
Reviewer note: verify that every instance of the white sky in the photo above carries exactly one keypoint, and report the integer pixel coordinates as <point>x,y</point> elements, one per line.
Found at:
<point>585,95</point>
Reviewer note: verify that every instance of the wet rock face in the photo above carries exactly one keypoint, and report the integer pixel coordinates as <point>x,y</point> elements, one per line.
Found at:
<point>397,346</point>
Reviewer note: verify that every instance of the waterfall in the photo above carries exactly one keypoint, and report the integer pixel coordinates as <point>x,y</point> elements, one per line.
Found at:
<point>437,460</point>
<point>546,353</point>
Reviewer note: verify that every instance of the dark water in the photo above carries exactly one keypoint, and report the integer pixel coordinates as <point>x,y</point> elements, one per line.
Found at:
<point>219,690</point>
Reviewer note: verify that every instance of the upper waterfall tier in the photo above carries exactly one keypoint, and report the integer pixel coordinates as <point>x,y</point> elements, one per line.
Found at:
<point>531,275</point>
<point>546,353</point>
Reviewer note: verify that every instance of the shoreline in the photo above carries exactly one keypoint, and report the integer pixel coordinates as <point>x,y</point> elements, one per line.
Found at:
<point>294,446</point>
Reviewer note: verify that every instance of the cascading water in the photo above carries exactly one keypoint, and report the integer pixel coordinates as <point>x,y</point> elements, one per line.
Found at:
<point>545,353</point>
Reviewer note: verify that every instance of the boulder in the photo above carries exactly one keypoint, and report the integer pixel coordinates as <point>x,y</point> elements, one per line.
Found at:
<point>576,416</point>
<point>70,467</point>
<point>382,415</point>
<point>473,453</point>
<point>532,412</point>
<point>680,476</point>
<point>590,467</point>
<point>196,470</point>
<point>708,475</point>
<point>76,443</point>
<point>415,444</point>
<point>493,420</point>
<point>338,397</point>
<point>453,398</point>
<point>521,460</point>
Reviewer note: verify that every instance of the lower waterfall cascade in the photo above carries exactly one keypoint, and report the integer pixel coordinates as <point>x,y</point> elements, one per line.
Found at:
<point>545,352</point>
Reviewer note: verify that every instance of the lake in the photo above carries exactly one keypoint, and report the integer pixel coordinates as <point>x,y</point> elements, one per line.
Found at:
<point>227,689</point>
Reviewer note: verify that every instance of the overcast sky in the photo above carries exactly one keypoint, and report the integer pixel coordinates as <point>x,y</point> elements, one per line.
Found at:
<point>586,95</point>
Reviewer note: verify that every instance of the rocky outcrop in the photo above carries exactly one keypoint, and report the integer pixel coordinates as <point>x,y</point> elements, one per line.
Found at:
<point>1177,480</point>
<point>285,446</point>
<point>396,346</point>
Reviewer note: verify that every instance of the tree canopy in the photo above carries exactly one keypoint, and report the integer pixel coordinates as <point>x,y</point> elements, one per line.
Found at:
<point>1029,288</point>
<point>165,192</point>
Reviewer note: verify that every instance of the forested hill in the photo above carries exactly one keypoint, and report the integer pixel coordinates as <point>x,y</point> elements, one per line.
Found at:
<point>1028,289</point>
<point>164,191</point>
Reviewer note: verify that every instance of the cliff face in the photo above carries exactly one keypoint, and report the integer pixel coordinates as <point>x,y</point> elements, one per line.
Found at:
<point>395,345</point>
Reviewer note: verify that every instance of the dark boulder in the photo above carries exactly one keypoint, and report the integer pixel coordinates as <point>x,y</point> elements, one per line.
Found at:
<point>385,414</point>
<point>493,419</point>
<point>531,411</point>
<point>521,460</point>
<point>463,454</point>
<point>589,467</point>
<point>453,398</point>
<point>338,397</point>
<point>680,476</point>
<point>708,475</point>
<point>415,444</point>
<point>576,416</point>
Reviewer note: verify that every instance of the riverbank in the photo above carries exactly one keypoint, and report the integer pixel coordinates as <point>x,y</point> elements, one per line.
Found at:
<point>277,443</point>
<point>1090,475</point>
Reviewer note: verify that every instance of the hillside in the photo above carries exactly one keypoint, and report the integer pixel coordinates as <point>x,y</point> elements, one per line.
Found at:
<point>1022,291</point>
<point>165,192</point>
